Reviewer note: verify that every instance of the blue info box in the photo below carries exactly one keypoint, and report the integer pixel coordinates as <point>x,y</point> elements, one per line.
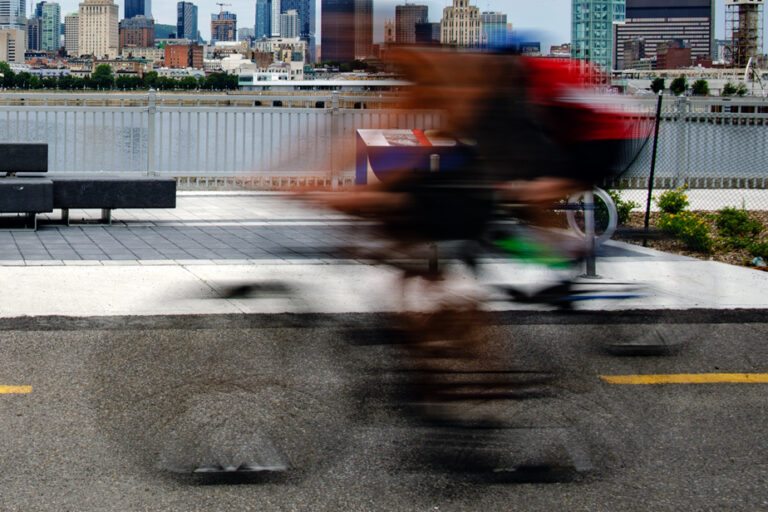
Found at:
<point>384,154</point>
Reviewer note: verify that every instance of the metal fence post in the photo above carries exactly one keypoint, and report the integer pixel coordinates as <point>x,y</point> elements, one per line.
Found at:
<point>151,111</point>
<point>335,137</point>
<point>651,177</point>
<point>683,149</point>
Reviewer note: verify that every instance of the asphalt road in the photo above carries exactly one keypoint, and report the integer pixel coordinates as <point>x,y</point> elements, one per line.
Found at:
<point>121,409</point>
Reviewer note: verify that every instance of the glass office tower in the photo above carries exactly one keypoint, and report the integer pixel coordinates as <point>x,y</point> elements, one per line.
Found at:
<point>186,21</point>
<point>592,32</point>
<point>138,8</point>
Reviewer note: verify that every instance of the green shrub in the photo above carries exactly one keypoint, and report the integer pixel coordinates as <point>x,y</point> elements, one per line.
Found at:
<point>700,88</point>
<point>689,228</point>
<point>737,228</point>
<point>622,206</point>
<point>679,85</point>
<point>728,89</point>
<point>673,201</point>
<point>658,85</point>
<point>759,250</point>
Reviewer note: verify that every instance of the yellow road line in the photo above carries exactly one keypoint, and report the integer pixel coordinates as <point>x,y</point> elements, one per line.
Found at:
<point>15,390</point>
<point>689,378</point>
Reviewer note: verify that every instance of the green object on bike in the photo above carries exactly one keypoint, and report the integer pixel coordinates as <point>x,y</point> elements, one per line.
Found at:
<point>528,251</point>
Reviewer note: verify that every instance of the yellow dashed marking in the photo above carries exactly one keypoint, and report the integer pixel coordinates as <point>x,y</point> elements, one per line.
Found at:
<point>15,390</point>
<point>688,378</point>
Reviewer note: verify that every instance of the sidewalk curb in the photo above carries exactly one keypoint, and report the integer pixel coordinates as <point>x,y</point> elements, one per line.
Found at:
<point>357,320</point>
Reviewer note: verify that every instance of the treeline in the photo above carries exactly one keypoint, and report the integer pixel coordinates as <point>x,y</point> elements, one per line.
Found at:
<point>680,86</point>
<point>103,79</point>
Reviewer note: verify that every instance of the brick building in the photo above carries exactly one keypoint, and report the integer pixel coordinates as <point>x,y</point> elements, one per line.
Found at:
<point>184,56</point>
<point>137,32</point>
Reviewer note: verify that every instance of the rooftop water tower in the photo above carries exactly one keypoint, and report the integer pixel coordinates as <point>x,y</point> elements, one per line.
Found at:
<point>744,29</point>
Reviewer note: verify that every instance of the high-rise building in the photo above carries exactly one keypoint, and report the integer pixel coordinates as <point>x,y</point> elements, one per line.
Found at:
<point>245,34</point>
<point>406,18</point>
<point>363,28</point>
<point>98,29</point>
<point>347,31</point>
<point>634,52</point>
<point>50,29</point>
<point>223,26</point>
<point>306,11</point>
<point>34,28</point>
<point>135,8</point>
<point>494,29</point>
<point>673,54</point>
<point>137,32</point>
<point>12,45</point>
<point>289,24</point>
<point>12,15</point>
<point>186,21</point>
<point>460,25</point>
<point>427,33</point>
<point>275,18</point>
<point>263,25</point>
<point>592,30</point>
<point>71,25</point>
<point>658,21</point>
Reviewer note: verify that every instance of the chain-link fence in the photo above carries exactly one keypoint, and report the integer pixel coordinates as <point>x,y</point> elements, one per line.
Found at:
<point>716,148</point>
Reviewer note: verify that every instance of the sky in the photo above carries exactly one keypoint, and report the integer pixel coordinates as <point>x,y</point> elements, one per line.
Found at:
<point>549,19</point>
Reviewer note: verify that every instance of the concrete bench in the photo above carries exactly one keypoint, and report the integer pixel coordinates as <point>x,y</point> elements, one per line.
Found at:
<point>26,196</point>
<point>26,190</point>
<point>110,192</point>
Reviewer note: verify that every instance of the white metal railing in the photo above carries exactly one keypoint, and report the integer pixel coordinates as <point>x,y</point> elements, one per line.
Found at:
<point>246,135</point>
<point>204,135</point>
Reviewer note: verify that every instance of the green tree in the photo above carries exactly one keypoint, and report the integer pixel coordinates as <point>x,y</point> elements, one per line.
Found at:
<point>102,77</point>
<point>66,82</point>
<point>231,83</point>
<point>188,83</point>
<point>700,88</point>
<point>216,81</point>
<point>741,90</point>
<point>658,85</point>
<point>78,82</point>
<point>678,86</point>
<point>8,79</point>
<point>35,82</point>
<point>22,80</point>
<point>728,89</point>
<point>123,82</point>
<point>50,82</point>
<point>150,80</point>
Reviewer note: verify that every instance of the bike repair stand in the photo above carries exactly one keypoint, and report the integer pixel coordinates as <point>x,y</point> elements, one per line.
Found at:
<point>589,233</point>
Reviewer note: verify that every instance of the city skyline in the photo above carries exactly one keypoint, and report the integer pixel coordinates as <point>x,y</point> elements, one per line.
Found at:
<point>549,19</point>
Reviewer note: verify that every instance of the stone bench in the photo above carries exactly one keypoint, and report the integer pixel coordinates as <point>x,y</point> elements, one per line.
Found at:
<point>27,196</point>
<point>26,190</point>
<point>110,192</point>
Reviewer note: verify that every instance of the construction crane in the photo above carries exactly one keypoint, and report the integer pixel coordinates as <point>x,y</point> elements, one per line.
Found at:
<point>221,8</point>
